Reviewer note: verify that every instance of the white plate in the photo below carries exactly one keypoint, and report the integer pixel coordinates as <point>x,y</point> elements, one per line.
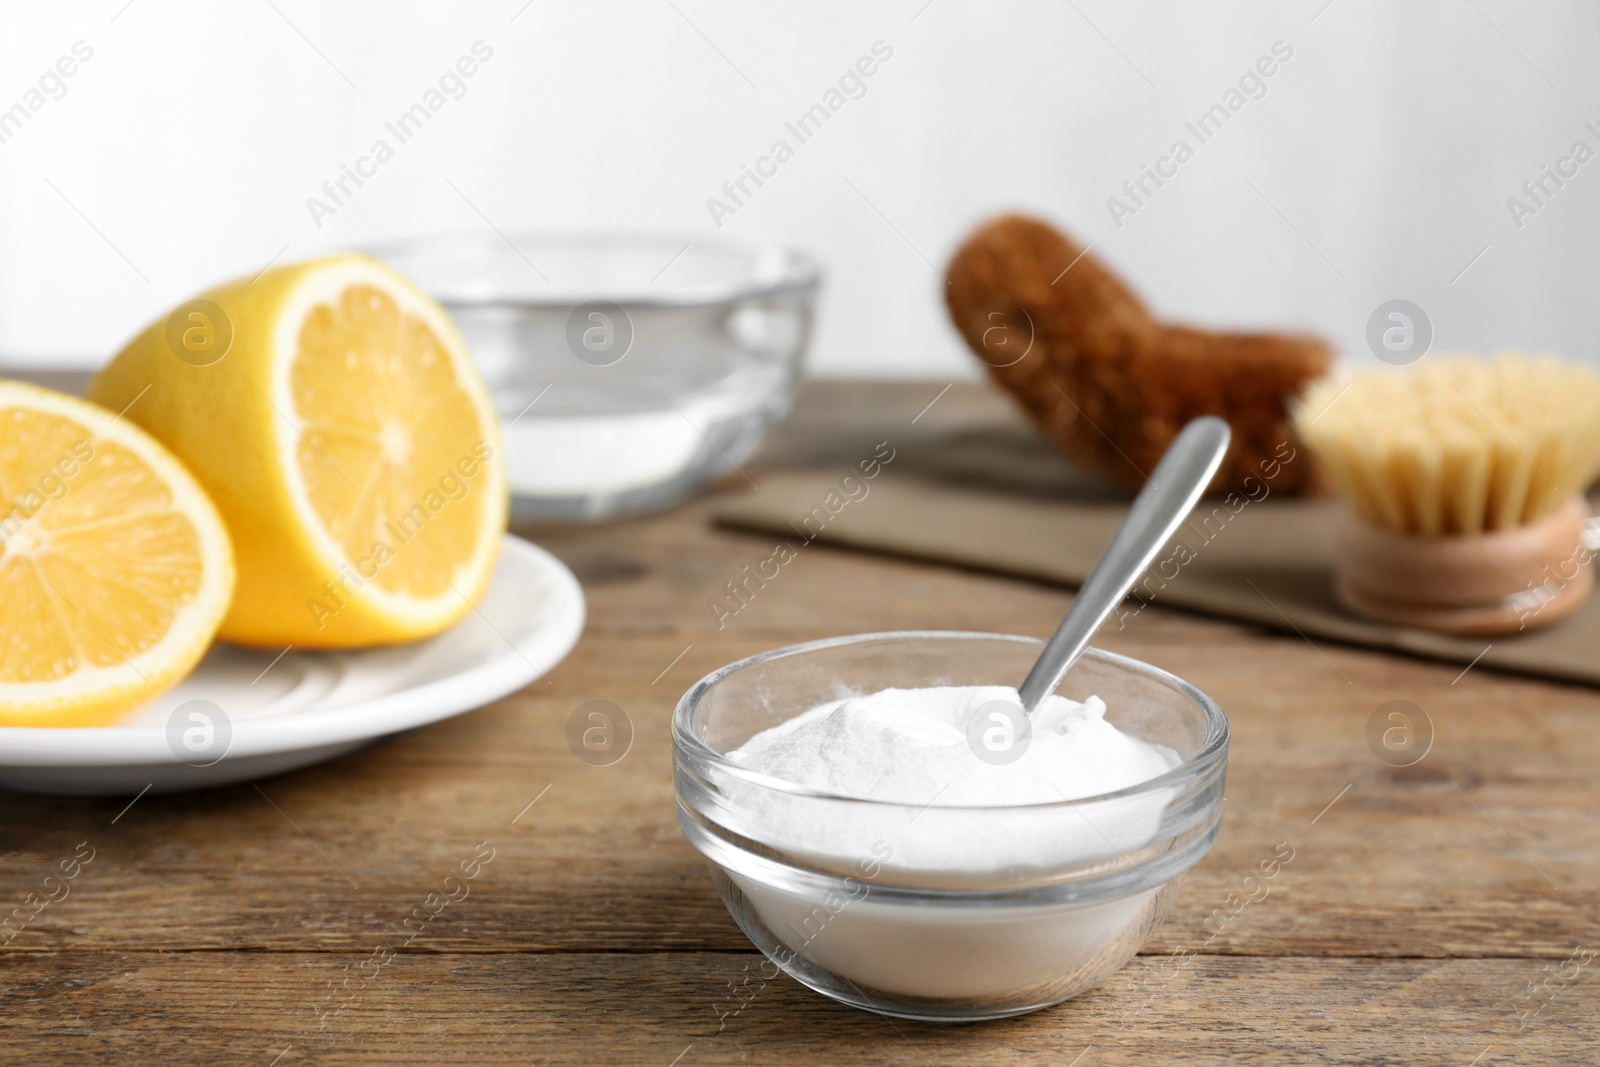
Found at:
<point>311,706</point>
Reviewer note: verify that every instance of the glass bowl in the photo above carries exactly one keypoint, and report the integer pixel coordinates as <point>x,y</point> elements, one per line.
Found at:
<point>629,369</point>
<point>873,904</point>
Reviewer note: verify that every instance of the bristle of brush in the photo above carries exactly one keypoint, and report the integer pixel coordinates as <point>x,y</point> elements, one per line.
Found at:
<point>1457,445</point>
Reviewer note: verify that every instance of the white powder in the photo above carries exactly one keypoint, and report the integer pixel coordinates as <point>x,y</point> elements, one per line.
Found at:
<point>909,747</point>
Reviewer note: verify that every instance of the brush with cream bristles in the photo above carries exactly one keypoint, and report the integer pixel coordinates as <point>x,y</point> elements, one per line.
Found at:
<point>1465,477</point>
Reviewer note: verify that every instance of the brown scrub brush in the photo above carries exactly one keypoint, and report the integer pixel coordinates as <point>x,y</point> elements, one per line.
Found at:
<point>1106,381</point>
<point>1464,479</point>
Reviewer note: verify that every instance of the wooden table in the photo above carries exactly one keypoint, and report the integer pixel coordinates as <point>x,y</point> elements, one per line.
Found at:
<point>1443,913</point>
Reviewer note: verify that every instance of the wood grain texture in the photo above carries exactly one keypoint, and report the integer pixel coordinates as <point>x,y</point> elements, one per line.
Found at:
<point>647,1008</point>
<point>1417,909</point>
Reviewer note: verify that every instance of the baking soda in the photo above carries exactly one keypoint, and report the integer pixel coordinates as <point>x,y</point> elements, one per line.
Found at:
<point>946,818</point>
<point>904,746</point>
<point>909,750</point>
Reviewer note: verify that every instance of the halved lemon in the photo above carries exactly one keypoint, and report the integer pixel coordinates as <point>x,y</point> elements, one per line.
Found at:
<point>115,568</point>
<point>331,411</point>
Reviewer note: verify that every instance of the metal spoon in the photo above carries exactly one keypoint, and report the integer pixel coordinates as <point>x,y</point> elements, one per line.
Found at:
<point>1165,501</point>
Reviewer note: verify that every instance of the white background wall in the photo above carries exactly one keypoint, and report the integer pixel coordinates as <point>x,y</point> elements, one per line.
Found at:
<point>1377,165</point>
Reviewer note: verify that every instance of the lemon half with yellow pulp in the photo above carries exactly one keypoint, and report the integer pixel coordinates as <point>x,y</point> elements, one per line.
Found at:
<point>114,566</point>
<point>331,411</point>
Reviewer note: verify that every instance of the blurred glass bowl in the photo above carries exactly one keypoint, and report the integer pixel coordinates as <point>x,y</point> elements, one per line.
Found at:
<point>629,369</point>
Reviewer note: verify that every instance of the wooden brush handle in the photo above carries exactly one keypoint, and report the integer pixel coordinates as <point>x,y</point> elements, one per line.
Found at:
<point>1483,584</point>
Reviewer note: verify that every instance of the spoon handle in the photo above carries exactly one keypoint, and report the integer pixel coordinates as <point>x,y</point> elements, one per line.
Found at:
<point>1169,493</point>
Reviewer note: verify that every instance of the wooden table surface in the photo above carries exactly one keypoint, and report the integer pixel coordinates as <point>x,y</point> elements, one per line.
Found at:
<point>1442,913</point>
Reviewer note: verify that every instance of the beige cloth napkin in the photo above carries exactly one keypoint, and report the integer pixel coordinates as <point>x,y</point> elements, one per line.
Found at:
<point>1267,563</point>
